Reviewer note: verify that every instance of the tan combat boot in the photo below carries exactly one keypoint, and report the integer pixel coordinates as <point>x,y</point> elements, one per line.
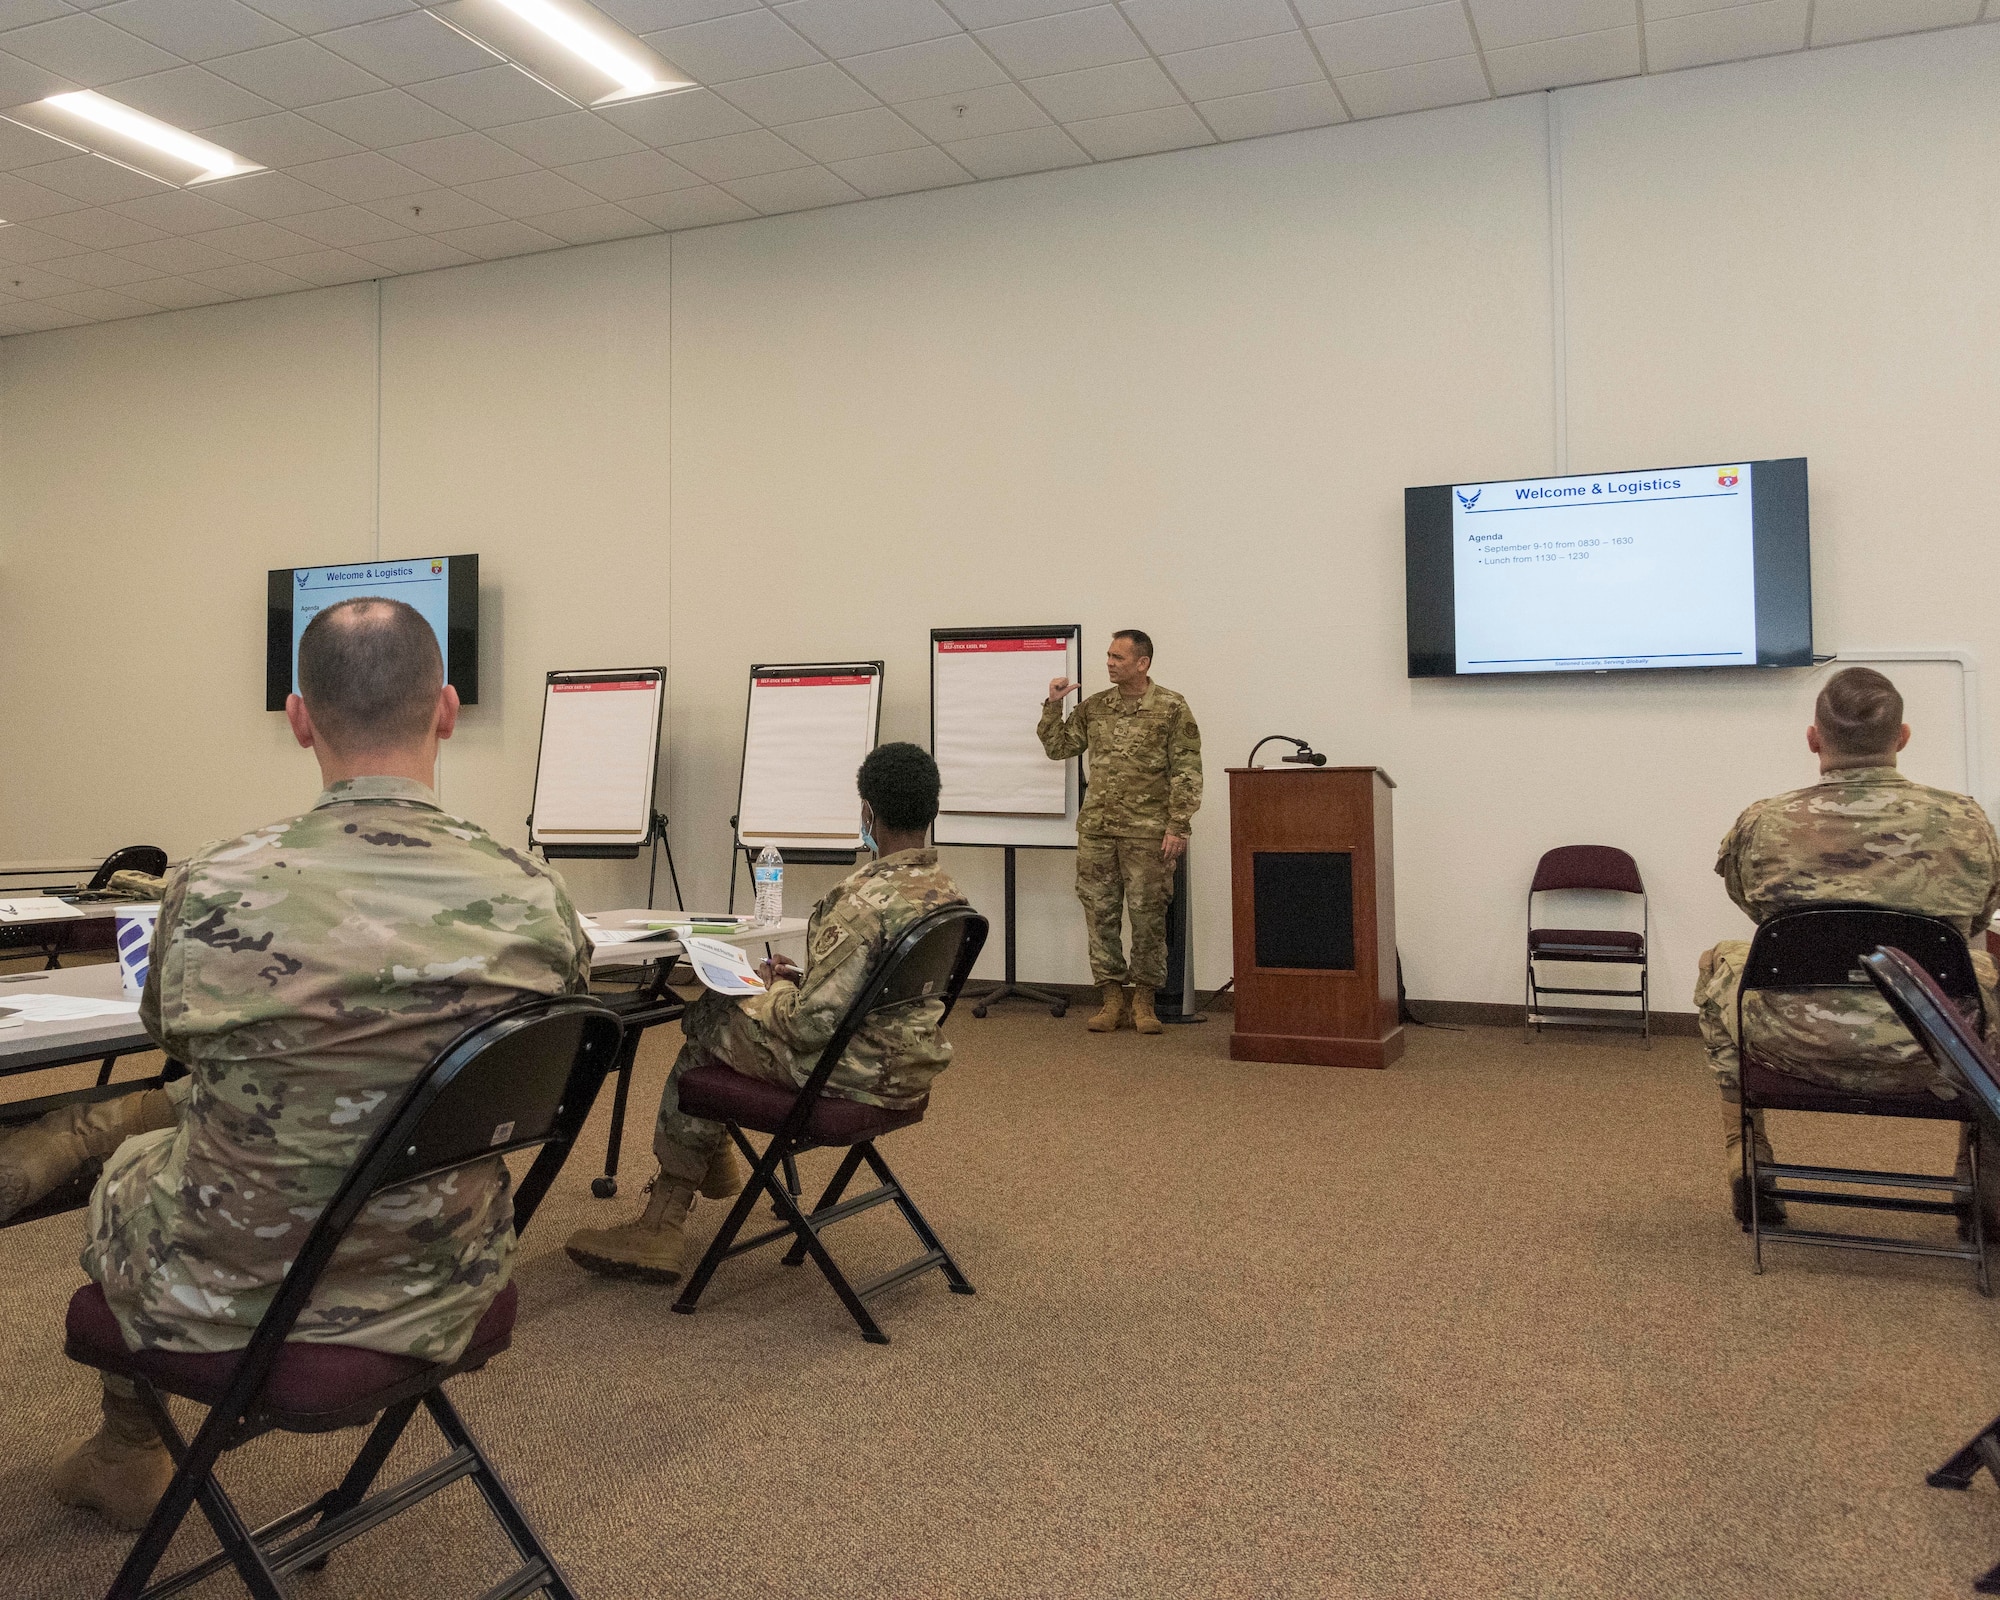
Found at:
<point>120,1471</point>
<point>1112,1015</point>
<point>652,1246</point>
<point>1770,1211</point>
<point>1142,1009</point>
<point>49,1152</point>
<point>726,1174</point>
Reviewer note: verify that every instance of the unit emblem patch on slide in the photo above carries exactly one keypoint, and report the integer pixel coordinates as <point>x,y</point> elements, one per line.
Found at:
<point>1726,477</point>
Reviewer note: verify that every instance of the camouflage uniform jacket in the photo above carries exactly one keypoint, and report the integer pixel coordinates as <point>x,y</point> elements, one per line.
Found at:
<point>896,1053</point>
<point>1865,834</point>
<point>1145,761</point>
<point>305,973</point>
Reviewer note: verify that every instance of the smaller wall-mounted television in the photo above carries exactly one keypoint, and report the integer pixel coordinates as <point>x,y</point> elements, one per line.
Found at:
<point>443,589</point>
<point>1707,566</point>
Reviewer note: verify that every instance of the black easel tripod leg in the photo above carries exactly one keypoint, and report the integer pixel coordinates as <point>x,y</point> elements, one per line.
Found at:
<point>1057,1004</point>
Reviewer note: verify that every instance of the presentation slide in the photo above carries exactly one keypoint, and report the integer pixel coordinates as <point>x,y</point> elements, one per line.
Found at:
<point>1609,571</point>
<point>424,584</point>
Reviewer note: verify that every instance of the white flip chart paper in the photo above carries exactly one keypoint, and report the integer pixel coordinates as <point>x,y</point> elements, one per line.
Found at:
<point>600,741</point>
<point>808,732</point>
<point>989,699</point>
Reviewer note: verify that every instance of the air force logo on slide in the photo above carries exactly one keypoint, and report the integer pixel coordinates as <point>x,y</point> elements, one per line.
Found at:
<point>1725,477</point>
<point>1469,500</point>
<point>304,579</point>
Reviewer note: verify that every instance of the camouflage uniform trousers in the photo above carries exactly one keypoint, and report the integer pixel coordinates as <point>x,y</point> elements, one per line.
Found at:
<point>1840,1039</point>
<point>1132,877</point>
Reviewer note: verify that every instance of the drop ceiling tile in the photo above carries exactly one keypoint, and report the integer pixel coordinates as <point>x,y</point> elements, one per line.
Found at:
<point>103,270</point>
<point>740,155</point>
<point>1105,91</point>
<point>1655,9</point>
<point>26,245</point>
<point>491,97</point>
<point>627,177</point>
<point>1006,155</point>
<point>1505,23</point>
<point>1314,12</point>
<point>435,211</point>
<point>24,147</point>
<point>1172,26</point>
<point>22,81</point>
<point>529,195</point>
<point>799,95</point>
<point>1140,133</point>
<point>902,171</point>
<point>1416,88</point>
<point>296,73</point>
<point>678,118</point>
<point>86,50</point>
<point>462,158</point>
<point>1732,35</point>
<point>90,179</point>
<point>189,97</point>
<point>177,255</point>
<point>35,283</point>
<point>408,49</point>
<point>1844,21</point>
<point>285,139</point>
<point>649,16</point>
<point>858,133</point>
<point>690,208</point>
<point>246,279</point>
<point>25,201</point>
<point>257,241</point>
<point>416,254</point>
<point>325,268</point>
<point>345,226</point>
<point>917,71</point>
<point>185,210</point>
<point>857,27</point>
<point>178,294</point>
<point>1097,37</point>
<point>1399,39</point>
<point>593,224</point>
<point>314,16</point>
<point>1277,61</point>
<point>565,140</point>
<point>386,117</point>
<point>100,305</point>
<point>273,194</point>
<point>367,176</point>
<point>741,46</point>
<point>498,239</point>
<point>1553,63</point>
<point>19,13</point>
<point>975,113</point>
<point>25,317</point>
<point>194,30</point>
<point>801,189</point>
<point>997,13</point>
<point>99,229</point>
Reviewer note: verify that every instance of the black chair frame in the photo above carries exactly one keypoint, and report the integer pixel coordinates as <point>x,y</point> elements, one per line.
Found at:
<point>898,979</point>
<point>1827,947</point>
<point>445,1121</point>
<point>1612,1019</point>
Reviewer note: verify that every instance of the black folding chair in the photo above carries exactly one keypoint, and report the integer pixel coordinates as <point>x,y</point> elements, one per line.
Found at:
<point>929,961</point>
<point>1821,948</point>
<point>147,858</point>
<point>1600,868</point>
<point>521,1079</point>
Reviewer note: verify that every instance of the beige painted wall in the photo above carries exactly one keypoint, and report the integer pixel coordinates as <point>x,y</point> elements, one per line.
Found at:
<point>1182,392</point>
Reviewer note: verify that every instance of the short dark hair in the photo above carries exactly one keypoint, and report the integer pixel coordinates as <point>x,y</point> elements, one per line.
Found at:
<point>901,782</point>
<point>1141,642</point>
<point>1859,713</point>
<point>370,672</point>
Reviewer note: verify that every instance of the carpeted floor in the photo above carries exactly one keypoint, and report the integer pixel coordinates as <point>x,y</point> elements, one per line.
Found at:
<point>1475,1325</point>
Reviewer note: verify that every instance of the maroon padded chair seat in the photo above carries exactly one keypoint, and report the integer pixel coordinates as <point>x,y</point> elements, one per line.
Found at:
<point>1585,944</point>
<point>1780,1091</point>
<point>718,1094</point>
<point>312,1387</point>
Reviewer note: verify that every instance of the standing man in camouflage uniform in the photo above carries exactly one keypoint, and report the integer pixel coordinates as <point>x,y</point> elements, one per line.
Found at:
<point>305,974</point>
<point>1863,833</point>
<point>777,1036</point>
<point>1145,787</point>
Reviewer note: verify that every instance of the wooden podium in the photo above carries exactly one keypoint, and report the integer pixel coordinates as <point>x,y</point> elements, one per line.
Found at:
<point>1312,866</point>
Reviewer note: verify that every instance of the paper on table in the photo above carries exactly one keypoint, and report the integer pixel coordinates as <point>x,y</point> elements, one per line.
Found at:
<point>806,737</point>
<point>722,967</point>
<point>989,698</point>
<point>619,935</point>
<point>595,776</point>
<point>39,908</point>
<point>66,1007</point>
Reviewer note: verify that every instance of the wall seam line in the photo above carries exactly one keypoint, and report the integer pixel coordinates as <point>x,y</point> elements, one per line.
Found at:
<point>1558,289</point>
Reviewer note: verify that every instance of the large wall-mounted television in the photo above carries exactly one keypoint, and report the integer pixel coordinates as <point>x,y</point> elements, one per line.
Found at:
<point>444,590</point>
<point>1705,566</point>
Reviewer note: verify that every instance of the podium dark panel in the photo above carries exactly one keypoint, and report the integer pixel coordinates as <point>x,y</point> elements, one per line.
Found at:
<point>1304,906</point>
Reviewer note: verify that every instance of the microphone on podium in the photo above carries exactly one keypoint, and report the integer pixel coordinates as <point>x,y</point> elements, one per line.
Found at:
<point>1302,756</point>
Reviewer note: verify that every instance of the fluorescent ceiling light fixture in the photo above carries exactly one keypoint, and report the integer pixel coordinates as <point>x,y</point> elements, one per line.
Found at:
<point>105,128</point>
<point>565,45</point>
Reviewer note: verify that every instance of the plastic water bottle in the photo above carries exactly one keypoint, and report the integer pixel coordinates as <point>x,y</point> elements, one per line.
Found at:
<point>770,875</point>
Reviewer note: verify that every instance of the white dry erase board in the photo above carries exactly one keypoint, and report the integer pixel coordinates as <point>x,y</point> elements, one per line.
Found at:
<point>600,745</point>
<point>987,689</point>
<point>807,731</point>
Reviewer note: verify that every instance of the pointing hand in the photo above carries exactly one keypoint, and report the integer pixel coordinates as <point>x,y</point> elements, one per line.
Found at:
<point>1058,687</point>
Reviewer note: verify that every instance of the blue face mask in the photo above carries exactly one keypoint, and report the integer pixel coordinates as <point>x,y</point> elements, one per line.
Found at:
<point>868,841</point>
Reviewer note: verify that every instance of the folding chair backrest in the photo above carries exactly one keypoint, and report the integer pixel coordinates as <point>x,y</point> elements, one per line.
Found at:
<point>146,858</point>
<point>1587,866</point>
<point>1947,1035</point>
<point>1820,947</point>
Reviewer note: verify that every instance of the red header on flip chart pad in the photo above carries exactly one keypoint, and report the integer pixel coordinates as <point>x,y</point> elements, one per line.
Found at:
<point>955,646</point>
<point>601,684</point>
<point>815,683</point>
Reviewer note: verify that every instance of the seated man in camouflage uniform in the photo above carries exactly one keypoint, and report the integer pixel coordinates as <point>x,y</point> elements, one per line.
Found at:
<point>305,973</point>
<point>778,1036</point>
<point>1863,833</point>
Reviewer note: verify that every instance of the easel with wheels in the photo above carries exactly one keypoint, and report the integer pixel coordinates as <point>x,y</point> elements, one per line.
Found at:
<point>1009,987</point>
